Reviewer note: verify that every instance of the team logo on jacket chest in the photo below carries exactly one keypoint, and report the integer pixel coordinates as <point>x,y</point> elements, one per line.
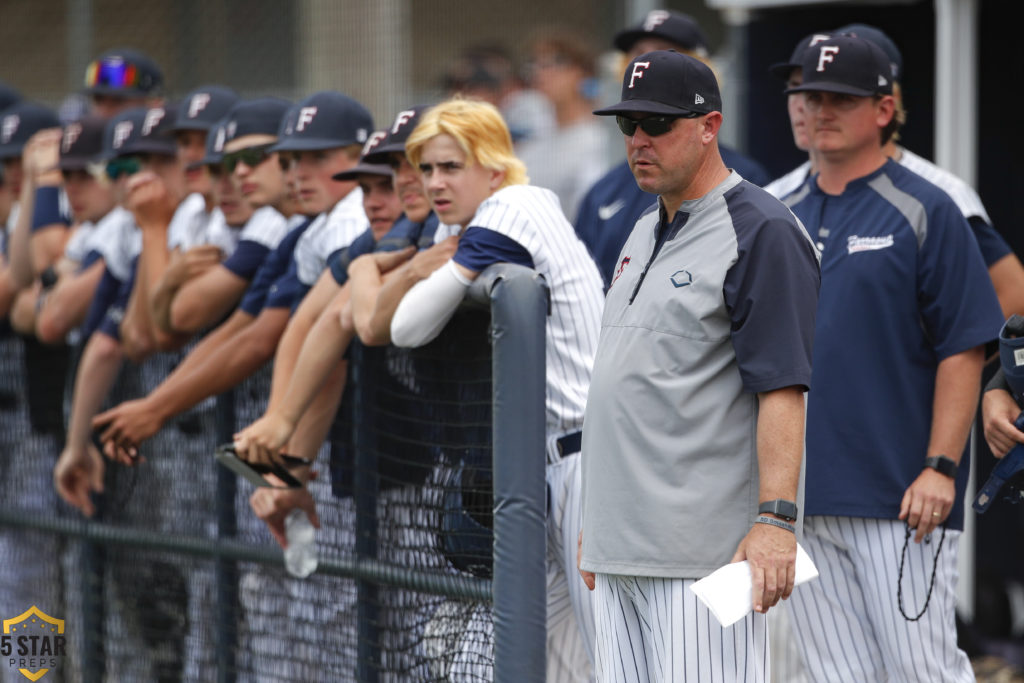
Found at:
<point>856,243</point>
<point>681,278</point>
<point>618,271</point>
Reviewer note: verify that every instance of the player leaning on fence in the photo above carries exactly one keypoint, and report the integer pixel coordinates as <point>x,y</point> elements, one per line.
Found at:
<point>695,414</point>
<point>464,151</point>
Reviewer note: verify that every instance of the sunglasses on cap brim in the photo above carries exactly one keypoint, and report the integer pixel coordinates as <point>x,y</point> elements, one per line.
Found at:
<point>250,156</point>
<point>111,74</point>
<point>652,125</point>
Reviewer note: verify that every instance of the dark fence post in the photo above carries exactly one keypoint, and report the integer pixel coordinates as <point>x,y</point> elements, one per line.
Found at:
<point>519,304</point>
<point>365,488</point>
<point>94,603</point>
<point>226,633</point>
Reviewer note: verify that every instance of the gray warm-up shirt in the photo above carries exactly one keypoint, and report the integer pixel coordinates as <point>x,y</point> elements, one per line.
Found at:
<point>703,313</point>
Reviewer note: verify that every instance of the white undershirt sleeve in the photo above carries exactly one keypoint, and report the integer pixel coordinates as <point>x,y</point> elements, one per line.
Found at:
<point>428,306</point>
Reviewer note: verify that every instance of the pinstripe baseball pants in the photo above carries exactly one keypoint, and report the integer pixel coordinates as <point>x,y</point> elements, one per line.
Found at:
<point>847,622</point>
<point>654,630</point>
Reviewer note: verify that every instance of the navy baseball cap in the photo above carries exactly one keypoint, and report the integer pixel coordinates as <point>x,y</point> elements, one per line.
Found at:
<point>215,140</point>
<point>8,96</point>
<point>123,72</point>
<point>782,69</point>
<point>376,139</point>
<point>667,82</point>
<point>21,121</point>
<point>121,130</point>
<point>848,65</point>
<point>260,116</point>
<point>675,27</point>
<point>404,124</point>
<point>203,107</point>
<point>156,133</point>
<point>324,120</point>
<point>81,143</point>
<point>876,36</point>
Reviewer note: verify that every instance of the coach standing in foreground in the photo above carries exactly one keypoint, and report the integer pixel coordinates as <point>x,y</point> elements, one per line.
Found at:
<point>906,307</point>
<point>694,418</point>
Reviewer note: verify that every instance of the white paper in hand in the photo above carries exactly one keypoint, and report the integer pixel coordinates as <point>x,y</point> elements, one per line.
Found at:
<point>727,592</point>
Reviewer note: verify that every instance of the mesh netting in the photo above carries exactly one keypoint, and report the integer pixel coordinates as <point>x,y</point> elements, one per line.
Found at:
<point>405,485</point>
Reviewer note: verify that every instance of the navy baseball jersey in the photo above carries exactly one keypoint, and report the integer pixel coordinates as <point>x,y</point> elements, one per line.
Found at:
<point>903,287</point>
<point>261,233</point>
<point>993,246</point>
<point>339,261</point>
<point>51,208</point>
<point>404,233</point>
<point>274,267</point>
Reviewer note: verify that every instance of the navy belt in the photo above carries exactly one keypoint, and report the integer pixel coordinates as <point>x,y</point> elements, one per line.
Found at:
<point>570,444</point>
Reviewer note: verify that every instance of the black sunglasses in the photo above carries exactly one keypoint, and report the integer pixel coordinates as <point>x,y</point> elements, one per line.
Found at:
<point>250,156</point>
<point>652,125</point>
<point>123,166</point>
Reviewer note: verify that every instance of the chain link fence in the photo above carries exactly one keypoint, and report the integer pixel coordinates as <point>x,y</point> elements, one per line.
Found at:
<point>175,579</point>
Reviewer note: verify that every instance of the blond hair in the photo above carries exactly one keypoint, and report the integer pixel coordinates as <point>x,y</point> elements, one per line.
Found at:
<point>477,129</point>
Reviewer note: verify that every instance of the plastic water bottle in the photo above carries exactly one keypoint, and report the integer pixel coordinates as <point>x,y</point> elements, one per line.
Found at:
<point>300,557</point>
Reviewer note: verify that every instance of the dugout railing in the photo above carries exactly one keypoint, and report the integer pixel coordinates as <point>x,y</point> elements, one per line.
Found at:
<point>198,577</point>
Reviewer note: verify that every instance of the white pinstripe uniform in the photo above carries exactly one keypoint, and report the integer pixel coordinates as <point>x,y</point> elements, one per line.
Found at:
<point>857,561</point>
<point>267,226</point>
<point>962,194</point>
<point>332,230</point>
<point>82,241</point>
<point>119,241</point>
<point>533,217</point>
<point>188,226</point>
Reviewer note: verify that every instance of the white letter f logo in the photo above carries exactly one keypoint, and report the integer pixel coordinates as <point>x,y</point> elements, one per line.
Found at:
<point>306,115</point>
<point>827,55</point>
<point>638,71</point>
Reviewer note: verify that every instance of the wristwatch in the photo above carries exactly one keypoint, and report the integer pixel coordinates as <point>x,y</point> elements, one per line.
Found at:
<point>786,509</point>
<point>942,465</point>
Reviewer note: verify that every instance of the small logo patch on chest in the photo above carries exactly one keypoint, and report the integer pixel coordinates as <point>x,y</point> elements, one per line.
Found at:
<point>681,278</point>
<point>618,271</point>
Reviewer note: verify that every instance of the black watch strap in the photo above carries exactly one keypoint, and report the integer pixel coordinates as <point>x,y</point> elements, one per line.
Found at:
<point>942,465</point>
<point>780,508</point>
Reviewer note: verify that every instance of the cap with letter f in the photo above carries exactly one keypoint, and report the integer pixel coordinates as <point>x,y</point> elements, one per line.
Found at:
<point>204,107</point>
<point>674,27</point>
<point>404,124</point>
<point>669,83</point>
<point>847,65</point>
<point>365,166</point>
<point>81,143</point>
<point>879,38</point>
<point>783,69</point>
<point>21,121</point>
<point>324,120</point>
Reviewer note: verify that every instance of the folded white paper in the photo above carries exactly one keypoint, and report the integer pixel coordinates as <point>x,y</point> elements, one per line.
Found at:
<point>727,591</point>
